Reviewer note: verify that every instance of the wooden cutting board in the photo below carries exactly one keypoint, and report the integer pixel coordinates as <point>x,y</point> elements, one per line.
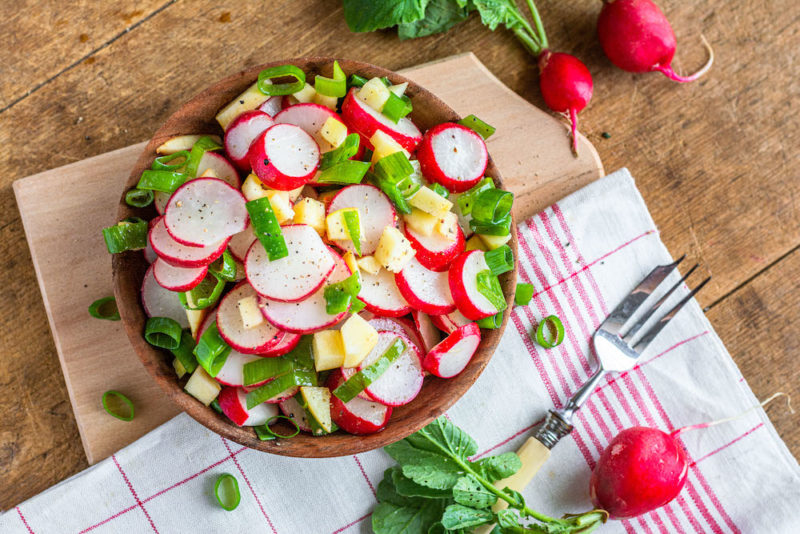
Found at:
<point>64,209</point>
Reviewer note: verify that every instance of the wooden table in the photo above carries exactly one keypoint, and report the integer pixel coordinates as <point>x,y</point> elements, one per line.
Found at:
<point>716,160</point>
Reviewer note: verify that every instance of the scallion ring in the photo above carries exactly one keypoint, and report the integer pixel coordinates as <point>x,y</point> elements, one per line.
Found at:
<point>105,308</point>
<point>345,172</point>
<point>356,81</point>
<point>112,396</point>
<point>492,206</point>
<point>128,234</point>
<point>478,126</point>
<point>226,490</point>
<point>199,148</point>
<point>162,163</point>
<point>139,198</point>
<point>164,181</point>
<point>266,76</point>
<point>333,86</point>
<point>291,421</point>
<point>163,332</point>
<point>553,324</point>
<point>500,260</point>
<point>524,294</point>
<point>491,322</point>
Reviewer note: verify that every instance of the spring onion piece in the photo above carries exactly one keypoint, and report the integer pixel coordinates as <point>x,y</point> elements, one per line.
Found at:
<point>357,383</point>
<point>266,228</point>
<point>264,433</point>
<point>128,234</point>
<point>500,260</point>
<point>139,198</point>
<point>224,268</point>
<point>302,356</point>
<point>524,294</point>
<point>492,206</point>
<point>394,167</point>
<point>339,296</point>
<point>226,490</point>
<point>266,76</point>
<point>299,377</point>
<point>200,147</point>
<point>391,190</point>
<point>555,334</point>
<point>113,401</point>
<point>184,353</point>
<point>265,369</point>
<point>346,172</point>
<point>467,200</point>
<point>440,190</point>
<point>211,350</point>
<point>500,228</point>
<point>334,86</point>
<point>352,222</point>
<point>291,421</point>
<point>396,107</point>
<point>163,332</point>
<point>203,295</point>
<point>395,176</point>
<point>356,305</point>
<point>492,322</point>
<point>164,181</point>
<point>356,81</point>
<point>162,163</point>
<point>104,308</point>
<point>215,406</point>
<point>489,287</point>
<point>386,81</point>
<point>343,152</point>
<point>478,126</point>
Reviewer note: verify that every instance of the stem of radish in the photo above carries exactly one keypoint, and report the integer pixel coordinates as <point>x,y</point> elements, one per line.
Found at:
<point>672,75</point>
<point>537,21</point>
<point>679,431</point>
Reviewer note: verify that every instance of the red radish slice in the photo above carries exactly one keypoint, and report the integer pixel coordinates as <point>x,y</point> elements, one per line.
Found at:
<point>286,343</point>
<point>233,402</point>
<point>448,322</point>
<point>358,416</point>
<point>375,211</point>
<point>400,325</point>
<point>451,356</point>
<point>149,254</point>
<point>463,279</point>
<point>256,340</point>
<point>232,372</point>
<point>401,382</point>
<point>240,243</point>
<point>425,290</point>
<point>160,200</point>
<point>283,395</point>
<point>222,168</point>
<point>309,315</point>
<point>427,331</point>
<point>204,211</point>
<point>272,106</point>
<point>310,117</point>
<point>380,294</point>
<point>284,157</point>
<point>241,134</point>
<point>453,155</point>
<point>292,409</point>
<point>295,276</point>
<point>436,252</point>
<point>160,302</point>
<point>350,371</point>
<point>177,278</point>
<point>177,254</point>
<point>361,118</point>
<point>210,317</point>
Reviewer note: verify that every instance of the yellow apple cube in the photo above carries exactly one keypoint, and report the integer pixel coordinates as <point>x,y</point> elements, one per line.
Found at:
<point>294,194</point>
<point>208,173</point>
<point>374,93</point>
<point>180,370</point>
<point>202,387</point>
<point>350,259</point>
<point>333,131</point>
<point>394,250</point>
<point>324,100</point>
<point>359,338</point>
<point>181,142</point>
<point>318,401</point>
<point>281,206</point>
<point>399,89</point>
<point>475,243</point>
<point>306,94</point>
<point>311,212</point>
<point>250,99</point>
<point>447,225</point>
<point>421,222</point>
<point>429,201</point>
<point>369,264</point>
<point>328,350</point>
<point>253,188</point>
<point>195,317</point>
<point>250,312</point>
<point>494,241</point>
<point>383,145</point>
<point>336,225</point>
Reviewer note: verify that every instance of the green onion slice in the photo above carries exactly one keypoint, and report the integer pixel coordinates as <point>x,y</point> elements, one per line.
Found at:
<point>163,332</point>
<point>226,490</point>
<point>266,76</point>
<point>215,406</point>
<point>356,305</point>
<point>489,287</point>
<point>352,221</point>
<point>267,229</point>
<point>298,377</point>
<point>357,383</point>
<point>302,355</point>
<point>200,147</point>
<point>339,296</point>
<point>184,352</point>
<point>492,206</point>
<point>501,228</point>
<point>466,201</point>
<point>265,369</point>
<point>343,152</point>
<point>276,418</point>
<point>386,81</point>
<point>478,126</point>
<point>492,322</point>
<point>105,308</point>
<point>555,332</point>
<point>524,294</point>
<point>345,173</point>
<point>203,295</point>
<point>356,81</point>
<point>139,198</point>
<point>264,433</point>
<point>334,86</point>
<point>162,163</point>
<point>394,167</point>
<point>224,268</point>
<point>128,234</point>
<point>396,107</point>
<point>164,181</point>
<point>396,177</point>
<point>500,260</point>
<point>113,401</point>
<point>211,350</point>
<point>440,190</point>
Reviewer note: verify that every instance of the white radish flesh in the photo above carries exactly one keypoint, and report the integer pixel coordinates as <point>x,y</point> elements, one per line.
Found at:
<point>380,294</point>
<point>448,322</point>
<point>241,134</point>
<point>177,278</point>
<point>160,302</point>
<point>240,243</point>
<point>178,254</point>
<point>256,340</point>
<point>401,382</point>
<point>310,117</point>
<point>291,150</point>
<point>425,290</point>
<point>427,331</point>
<point>292,409</point>
<point>451,356</point>
<point>232,372</point>
<point>204,211</point>
<point>222,168</point>
<point>460,153</point>
<point>399,325</point>
<point>375,212</point>
<point>272,106</point>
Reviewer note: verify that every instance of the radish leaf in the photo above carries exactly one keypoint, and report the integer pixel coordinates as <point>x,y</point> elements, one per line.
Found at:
<point>368,15</point>
<point>469,492</point>
<point>440,16</point>
<point>457,516</point>
<point>499,467</point>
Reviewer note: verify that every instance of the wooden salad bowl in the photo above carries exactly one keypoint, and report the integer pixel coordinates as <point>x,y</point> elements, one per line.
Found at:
<point>197,117</point>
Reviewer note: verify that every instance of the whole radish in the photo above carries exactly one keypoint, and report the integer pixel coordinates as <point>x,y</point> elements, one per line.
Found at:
<point>566,86</point>
<point>637,37</point>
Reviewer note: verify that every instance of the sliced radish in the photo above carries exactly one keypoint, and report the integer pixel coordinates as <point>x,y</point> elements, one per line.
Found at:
<point>222,168</point>
<point>309,315</point>
<point>293,277</point>
<point>292,409</point>
<point>283,395</point>
<point>204,211</point>
<point>375,210</point>
<point>436,252</point>
<point>284,157</point>
<point>210,317</point>
<point>400,325</point>
<point>160,201</point>
<point>149,254</point>
<point>177,278</point>
<point>453,155</point>
<point>358,416</point>
<point>425,290</point>
<point>285,343</point>
<point>240,243</point>
<point>256,340</point>
<point>241,134</point>
<point>449,322</point>
<point>380,294</point>
<point>310,117</point>
<point>232,372</point>
<point>427,331</point>
<point>361,118</point>
<point>233,402</point>
<point>272,106</point>
<point>160,302</point>
<point>178,254</point>
<point>401,382</point>
<point>463,280</point>
<point>451,356</point>
<point>350,371</point>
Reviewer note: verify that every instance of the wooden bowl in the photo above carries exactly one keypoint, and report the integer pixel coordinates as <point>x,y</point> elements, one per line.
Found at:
<point>197,117</point>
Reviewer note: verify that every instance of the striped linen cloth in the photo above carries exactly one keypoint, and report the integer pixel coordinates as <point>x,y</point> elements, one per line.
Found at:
<point>583,255</point>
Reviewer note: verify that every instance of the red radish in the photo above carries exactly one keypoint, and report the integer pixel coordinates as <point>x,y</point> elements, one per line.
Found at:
<point>359,117</point>
<point>380,294</point>
<point>285,343</point>
<point>178,254</point>
<point>205,211</point>
<point>293,277</point>
<point>242,132</point>
<point>240,243</point>
<point>256,340</point>
<point>637,37</point>
<point>375,210</point>
<point>288,393</point>
<point>233,403</point>
<point>436,252</point>
<point>292,409</point>
<point>566,86</point>
<point>453,155</point>
<point>401,382</point>
<point>160,302</point>
<point>399,325</point>
<point>272,106</point>
<point>310,117</point>
<point>149,254</point>
<point>222,168</point>
<point>232,372</point>
<point>160,200</point>
<point>350,371</point>
<point>284,157</point>
<point>425,290</point>
<point>358,416</point>
<point>451,356</point>
<point>427,331</point>
<point>177,278</point>
<point>463,278</point>
<point>448,322</point>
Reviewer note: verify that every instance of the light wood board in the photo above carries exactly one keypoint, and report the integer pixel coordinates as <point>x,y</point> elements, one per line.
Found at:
<point>63,211</point>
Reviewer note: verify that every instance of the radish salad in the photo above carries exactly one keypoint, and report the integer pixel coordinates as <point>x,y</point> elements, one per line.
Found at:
<point>324,255</point>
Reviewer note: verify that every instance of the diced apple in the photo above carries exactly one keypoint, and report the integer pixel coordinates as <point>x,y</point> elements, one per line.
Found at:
<point>208,173</point>
<point>421,222</point>
<point>311,212</point>
<point>195,318</point>
<point>429,201</point>
<point>328,350</point>
<point>447,225</point>
<point>494,241</point>
<point>318,401</point>
<point>182,142</point>
<point>180,370</point>
<point>334,131</point>
<point>369,264</point>
<point>253,188</point>
<point>281,206</point>
<point>399,89</point>
<point>250,99</point>
<point>383,145</point>
<point>358,338</point>
<point>202,387</point>
<point>350,259</point>
<point>294,194</point>
<point>475,243</point>
<point>374,93</point>
<point>394,250</point>
<point>250,312</point>
<point>336,226</point>
<point>327,101</point>
<point>306,94</point>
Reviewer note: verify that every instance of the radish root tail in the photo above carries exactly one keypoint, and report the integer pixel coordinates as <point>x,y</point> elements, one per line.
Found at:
<point>573,120</point>
<point>678,431</point>
<point>672,75</point>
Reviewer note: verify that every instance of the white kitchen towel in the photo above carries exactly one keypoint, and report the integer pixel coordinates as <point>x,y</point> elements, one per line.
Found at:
<point>583,255</point>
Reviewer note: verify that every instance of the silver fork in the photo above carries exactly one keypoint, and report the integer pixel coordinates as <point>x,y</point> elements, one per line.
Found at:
<point>617,350</point>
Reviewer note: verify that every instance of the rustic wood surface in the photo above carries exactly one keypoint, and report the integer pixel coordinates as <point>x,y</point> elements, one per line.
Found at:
<point>715,160</point>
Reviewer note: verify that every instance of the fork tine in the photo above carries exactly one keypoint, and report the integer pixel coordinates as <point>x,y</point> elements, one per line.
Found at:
<point>642,320</point>
<point>654,331</point>
<point>617,318</point>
